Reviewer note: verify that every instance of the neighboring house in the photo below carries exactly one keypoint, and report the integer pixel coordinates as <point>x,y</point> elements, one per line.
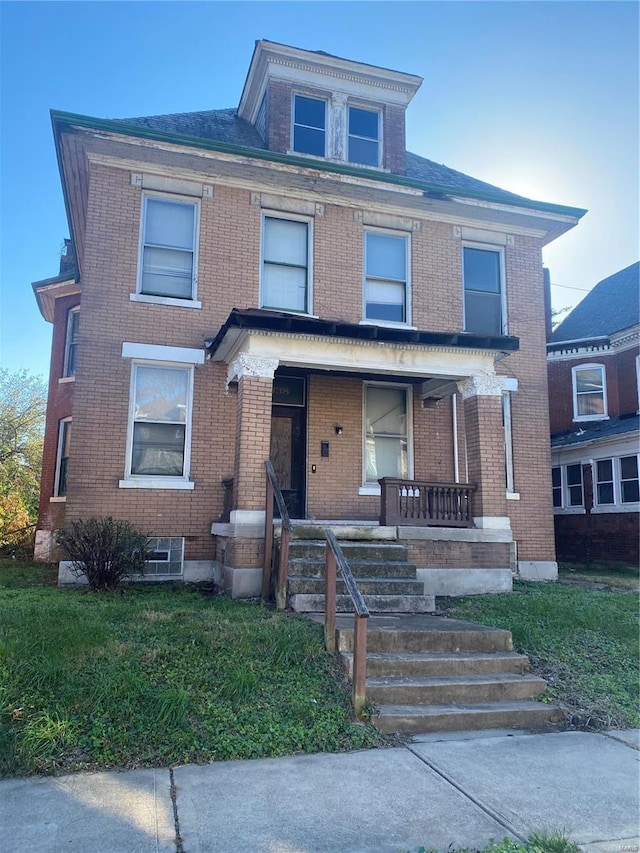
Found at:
<point>594,387</point>
<point>286,281</point>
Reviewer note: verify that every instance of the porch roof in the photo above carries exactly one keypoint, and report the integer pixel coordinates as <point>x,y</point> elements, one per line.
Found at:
<point>259,319</point>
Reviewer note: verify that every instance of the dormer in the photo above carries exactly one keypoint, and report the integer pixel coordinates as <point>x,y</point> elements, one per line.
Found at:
<point>312,104</point>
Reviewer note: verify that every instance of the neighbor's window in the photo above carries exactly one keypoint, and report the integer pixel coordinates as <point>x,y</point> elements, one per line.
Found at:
<point>64,442</point>
<point>168,248</point>
<point>364,136</point>
<point>604,482</point>
<point>574,485</point>
<point>556,482</point>
<point>309,125</point>
<point>161,410</point>
<point>285,264</point>
<point>630,492</point>
<point>385,439</point>
<point>386,282</point>
<point>483,290</point>
<point>589,392</point>
<point>71,342</point>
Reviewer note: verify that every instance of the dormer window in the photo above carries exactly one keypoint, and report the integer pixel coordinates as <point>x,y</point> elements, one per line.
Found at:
<point>309,125</point>
<point>364,136</point>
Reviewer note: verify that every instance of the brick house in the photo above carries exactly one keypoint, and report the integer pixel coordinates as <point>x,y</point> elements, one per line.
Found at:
<point>284,280</point>
<point>594,386</point>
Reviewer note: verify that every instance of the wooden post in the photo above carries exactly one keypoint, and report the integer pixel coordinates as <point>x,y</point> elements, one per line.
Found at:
<point>330,600</point>
<point>268,542</point>
<point>359,662</point>
<point>281,590</point>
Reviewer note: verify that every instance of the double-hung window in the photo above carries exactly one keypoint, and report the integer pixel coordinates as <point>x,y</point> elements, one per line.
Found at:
<point>567,486</point>
<point>617,481</point>
<point>605,491</point>
<point>168,251</point>
<point>286,264</point>
<point>629,486</point>
<point>386,284</point>
<point>483,290</point>
<point>309,125</point>
<point>62,459</point>
<point>160,421</point>
<point>589,392</point>
<point>71,343</point>
<point>386,442</point>
<point>363,136</point>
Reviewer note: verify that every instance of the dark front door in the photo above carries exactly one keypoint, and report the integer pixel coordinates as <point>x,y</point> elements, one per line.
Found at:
<point>288,455</point>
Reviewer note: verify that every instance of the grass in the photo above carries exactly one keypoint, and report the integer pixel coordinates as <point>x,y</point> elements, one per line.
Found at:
<point>544,842</point>
<point>158,676</point>
<point>619,576</point>
<point>584,642</point>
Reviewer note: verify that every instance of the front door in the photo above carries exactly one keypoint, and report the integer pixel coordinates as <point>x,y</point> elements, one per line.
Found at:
<point>288,455</point>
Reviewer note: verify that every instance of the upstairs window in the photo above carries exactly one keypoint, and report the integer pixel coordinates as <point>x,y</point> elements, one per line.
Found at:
<point>71,343</point>
<point>589,392</point>
<point>386,283</point>
<point>364,136</point>
<point>309,125</point>
<point>483,290</point>
<point>285,264</point>
<point>168,248</point>
<point>161,411</point>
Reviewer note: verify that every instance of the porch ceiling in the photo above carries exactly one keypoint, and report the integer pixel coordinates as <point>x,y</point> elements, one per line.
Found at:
<point>310,342</point>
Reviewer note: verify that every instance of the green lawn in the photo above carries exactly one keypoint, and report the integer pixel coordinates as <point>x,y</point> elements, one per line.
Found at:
<point>583,641</point>
<point>159,676</point>
<point>614,576</point>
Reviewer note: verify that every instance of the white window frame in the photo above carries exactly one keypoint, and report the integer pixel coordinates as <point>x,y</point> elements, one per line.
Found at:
<point>393,324</point>
<point>615,482</point>
<point>618,505</point>
<point>507,418</point>
<point>567,507</point>
<point>368,108</point>
<point>627,504</point>
<point>374,488</point>
<point>147,481</point>
<point>177,301</point>
<point>487,247</point>
<point>72,313</point>
<point>289,217</point>
<point>574,391</point>
<point>311,97</point>
<point>62,427</point>
<point>638,381</point>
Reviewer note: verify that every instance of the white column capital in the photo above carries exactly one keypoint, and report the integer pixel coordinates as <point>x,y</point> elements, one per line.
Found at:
<point>481,385</point>
<point>245,364</point>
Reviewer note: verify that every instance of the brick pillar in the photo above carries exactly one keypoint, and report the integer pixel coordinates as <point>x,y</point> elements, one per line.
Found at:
<point>253,429</point>
<point>482,397</point>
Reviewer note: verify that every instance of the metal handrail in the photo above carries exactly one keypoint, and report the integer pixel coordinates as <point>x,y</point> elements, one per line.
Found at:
<point>334,559</point>
<point>273,491</point>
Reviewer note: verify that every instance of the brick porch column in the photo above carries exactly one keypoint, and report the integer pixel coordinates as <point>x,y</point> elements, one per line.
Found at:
<point>253,432</point>
<point>482,396</point>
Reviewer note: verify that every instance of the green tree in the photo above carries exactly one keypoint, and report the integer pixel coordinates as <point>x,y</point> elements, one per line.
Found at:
<point>23,400</point>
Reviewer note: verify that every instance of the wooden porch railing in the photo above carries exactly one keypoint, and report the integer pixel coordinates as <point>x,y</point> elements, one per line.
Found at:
<point>273,491</point>
<point>423,503</point>
<point>335,559</point>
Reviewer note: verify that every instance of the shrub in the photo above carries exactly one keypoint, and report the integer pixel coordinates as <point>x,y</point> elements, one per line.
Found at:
<point>103,550</point>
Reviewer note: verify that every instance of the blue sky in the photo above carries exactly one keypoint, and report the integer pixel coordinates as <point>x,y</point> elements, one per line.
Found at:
<point>537,97</point>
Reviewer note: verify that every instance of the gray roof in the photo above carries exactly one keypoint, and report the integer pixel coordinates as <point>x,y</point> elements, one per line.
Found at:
<point>612,305</point>
<point>226,126</point>
<point>596,430</point>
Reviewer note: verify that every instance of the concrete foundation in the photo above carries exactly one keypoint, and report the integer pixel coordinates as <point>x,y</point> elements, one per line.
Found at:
<point>465,581</point>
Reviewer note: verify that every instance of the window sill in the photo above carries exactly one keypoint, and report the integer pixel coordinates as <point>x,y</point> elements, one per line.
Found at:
<point>156,483</point>
<point>513,496</point>
<point>165,300</point>
<point>569,510</point>
<point>388,324</point>
<point>66,379</point>
<point>616,508</point>
<point>290,311</point>
<point>369,490</point>
<point>586,418</point>
<point>58,499</point>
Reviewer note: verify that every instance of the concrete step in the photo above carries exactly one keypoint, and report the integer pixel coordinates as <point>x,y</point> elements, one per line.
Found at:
<point>380,664</point>
<point>425,634</point>
<point>357,551</point>
<point>307,567</point>
<point>314,603</point>
<point>367,586</point>
<point>443,690</point>
<point>344,531</point>
<point>419,719</point>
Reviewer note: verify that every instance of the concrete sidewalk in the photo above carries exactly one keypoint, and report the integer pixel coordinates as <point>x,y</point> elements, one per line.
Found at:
<point>458,790</point>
